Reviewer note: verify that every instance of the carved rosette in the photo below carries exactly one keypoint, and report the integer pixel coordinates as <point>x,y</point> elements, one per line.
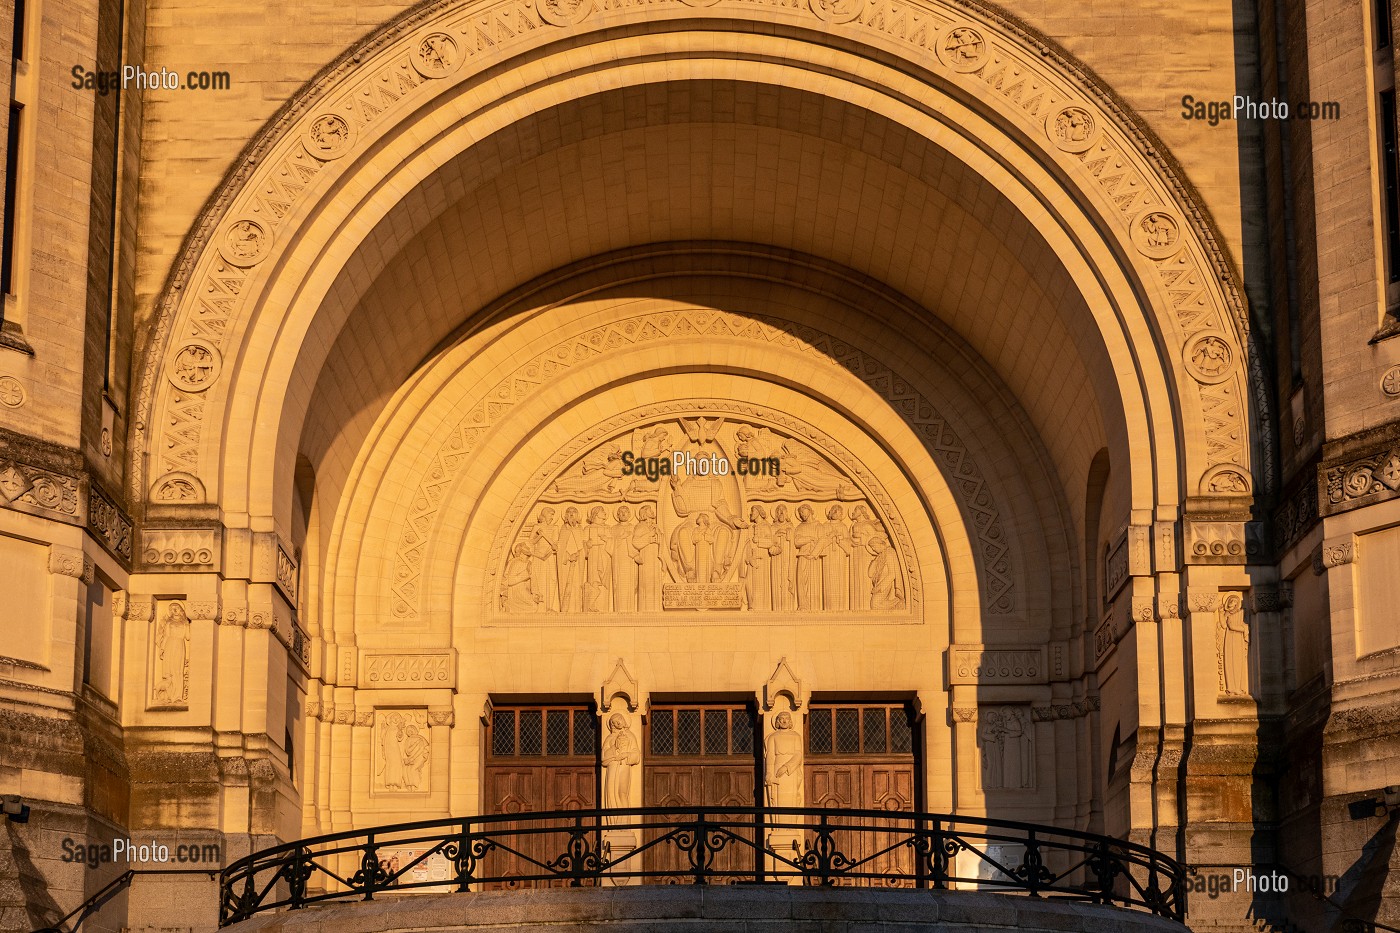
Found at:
<point>12,393</point>
<point>597,535</point>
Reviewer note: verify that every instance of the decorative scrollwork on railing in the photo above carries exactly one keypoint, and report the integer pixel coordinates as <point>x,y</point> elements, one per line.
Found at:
<point>706,845</point>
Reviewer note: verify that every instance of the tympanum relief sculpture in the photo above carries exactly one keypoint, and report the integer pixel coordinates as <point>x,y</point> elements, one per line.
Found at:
<point>701,511</point>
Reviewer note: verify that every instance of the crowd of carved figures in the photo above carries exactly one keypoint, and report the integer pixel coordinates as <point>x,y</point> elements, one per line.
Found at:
<point>601,539</point>
<point>614,559</point>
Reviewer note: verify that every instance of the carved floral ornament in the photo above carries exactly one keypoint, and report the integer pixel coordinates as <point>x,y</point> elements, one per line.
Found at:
<point>398,70</point>
<point>698,530</point>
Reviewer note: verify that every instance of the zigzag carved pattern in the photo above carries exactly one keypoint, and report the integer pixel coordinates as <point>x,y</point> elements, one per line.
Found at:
<point>964,477</point>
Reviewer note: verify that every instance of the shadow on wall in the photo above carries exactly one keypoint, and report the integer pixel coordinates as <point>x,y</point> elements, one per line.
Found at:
<point>25,903</point>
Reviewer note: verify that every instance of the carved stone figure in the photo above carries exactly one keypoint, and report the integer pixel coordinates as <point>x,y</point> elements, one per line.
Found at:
<point>782,762</point>
<point>863,532</point>
<point>599,476</point>
<point>807,543</point>
<point>572,567</point>
<point>622,558</point>
<point>171,678</point>
<point>597,543</point>
<point>1232,646</point>
<point>810,475</point>
<point>836,560</point>
<point>646,548</point>
<point>621,755</point>
<point>544,566</point>
<point>755,570</point>
<point>403,753</point>
<point>517,591</point>
<point>886,591</point>
<point>1007,753</point>
<point>783,569</point>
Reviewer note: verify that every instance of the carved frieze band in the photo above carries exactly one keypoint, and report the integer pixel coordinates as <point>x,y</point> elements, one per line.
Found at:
<point>180,548</point>
<point>980,664</point>
<point>108,523</point>
<point>1358,481</point>
<point>27,488</point>
<point>395,71</point>
<point>407,671</point>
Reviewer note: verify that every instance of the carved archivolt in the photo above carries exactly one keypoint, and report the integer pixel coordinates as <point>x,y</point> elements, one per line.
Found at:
<point>398,70</point>
<point>702,504</point>
<point>961,471</point>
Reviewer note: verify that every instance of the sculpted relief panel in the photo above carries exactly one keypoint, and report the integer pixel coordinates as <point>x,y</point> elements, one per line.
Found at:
<point>703,509</point>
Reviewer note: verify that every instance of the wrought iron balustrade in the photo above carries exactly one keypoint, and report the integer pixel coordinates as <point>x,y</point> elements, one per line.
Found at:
<point>706,845</point>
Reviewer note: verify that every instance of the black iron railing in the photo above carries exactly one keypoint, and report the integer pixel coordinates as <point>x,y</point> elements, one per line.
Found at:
<point>706,845</point>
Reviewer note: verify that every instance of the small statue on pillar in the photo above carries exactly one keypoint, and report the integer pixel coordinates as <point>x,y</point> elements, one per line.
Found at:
<point>782,762</point>
<point>621,755</point>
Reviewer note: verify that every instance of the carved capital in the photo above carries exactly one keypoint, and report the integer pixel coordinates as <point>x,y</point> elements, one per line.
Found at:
<point>313,709</point>
<point>1202,600</point>
<point>964,714</point>
<point>442,717</point>
<point>365,718</point>
<point>238,617</point>
<point>204,610</point>
<point>344,717</point>
<point>70,562</point>
<point>1272,597</point>
<point>1336,555</point>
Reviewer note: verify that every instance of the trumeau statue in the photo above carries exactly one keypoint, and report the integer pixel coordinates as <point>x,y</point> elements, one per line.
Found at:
<point>645,521</point>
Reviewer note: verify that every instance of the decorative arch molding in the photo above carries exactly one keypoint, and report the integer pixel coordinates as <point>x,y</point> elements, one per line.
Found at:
<point>240,243</point>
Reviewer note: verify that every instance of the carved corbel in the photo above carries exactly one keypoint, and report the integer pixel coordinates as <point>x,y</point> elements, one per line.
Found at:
<point>619,685</point>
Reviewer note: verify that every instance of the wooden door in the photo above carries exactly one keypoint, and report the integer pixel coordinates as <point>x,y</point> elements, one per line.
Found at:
<point>538,759</point>
<point>701,756</point>
<point>862,757</point>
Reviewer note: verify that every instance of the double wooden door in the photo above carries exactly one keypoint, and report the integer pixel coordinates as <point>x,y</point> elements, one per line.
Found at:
<point>538,759</point>
<point>862,757</point>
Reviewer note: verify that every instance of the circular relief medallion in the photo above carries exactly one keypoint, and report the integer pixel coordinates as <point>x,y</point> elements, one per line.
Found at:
<point>564,12</point>
<point>436,55</point>
<point>330,136</point>
<point>963,49</point>
<point>836,11</point>
<point>194,367</point>
<point>11,392</point>
<point>1390,382</point>
<point>1156,234</point>
<point>1072,128</point>
<point>1225,481</point>
<point>245,243</point>
<point>1208,357</point>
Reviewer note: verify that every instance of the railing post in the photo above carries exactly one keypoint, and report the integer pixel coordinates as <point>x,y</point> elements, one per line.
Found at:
<point>760,845</point>
<point>702,847</point>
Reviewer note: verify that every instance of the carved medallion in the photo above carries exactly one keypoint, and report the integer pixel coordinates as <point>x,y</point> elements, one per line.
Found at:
<point>436,55</point>
<point>330,136</point>
<point>178,487</point>
<point>564,12</point>
<point>837,11</point>
<point>701,510</point>
<point>11,392</point>
<point>1390,382</point>
<point>245,243</point>
<point>1156,234</point>
<point>1072,129</point>
<point>1225,481</point>
<point>194,367</point>
<point>1208,357</point>
<point>963,49</point>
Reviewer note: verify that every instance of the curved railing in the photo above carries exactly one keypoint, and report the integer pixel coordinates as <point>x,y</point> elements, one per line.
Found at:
<point>705,845</point>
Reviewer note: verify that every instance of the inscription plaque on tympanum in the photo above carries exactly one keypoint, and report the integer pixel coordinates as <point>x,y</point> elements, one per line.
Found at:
<point>697,509</point>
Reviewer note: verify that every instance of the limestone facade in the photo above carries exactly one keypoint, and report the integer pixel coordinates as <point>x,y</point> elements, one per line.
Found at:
<point>319,395</point>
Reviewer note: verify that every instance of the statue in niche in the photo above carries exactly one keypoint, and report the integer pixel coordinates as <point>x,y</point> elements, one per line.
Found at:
<point>1232,646</point>
<point>1007,758</point>
<point>836,560</point>
<point>756,568</point>
<point>782,764</point>
<point>171,680</point>
<point>600,476</point>
<point>404,752</point>
<point>544,567</point>
<point>646,549</point>
<point>863,533</point>
<point>783,570</point>
<point>886,591</point>
<point>597,542</point>
<point>621,755</point>
<point>517,590</point>
<point>807,542</point>
<point>571,562</point>
<point>622,558</point>
<point>810,475</point>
